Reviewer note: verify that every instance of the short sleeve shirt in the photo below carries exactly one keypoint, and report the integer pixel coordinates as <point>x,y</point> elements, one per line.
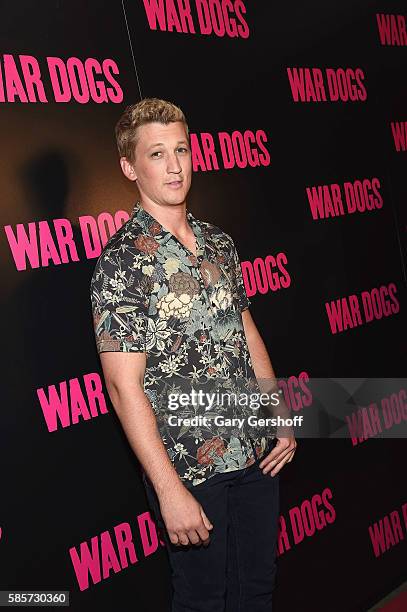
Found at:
<point>150,294</point>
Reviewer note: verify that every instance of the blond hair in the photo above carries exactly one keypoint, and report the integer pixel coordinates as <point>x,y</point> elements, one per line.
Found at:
<point>135,115</point>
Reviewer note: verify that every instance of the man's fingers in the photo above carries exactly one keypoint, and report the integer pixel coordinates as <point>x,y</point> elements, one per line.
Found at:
<point>203,534</point>
<point>285,454</point>
<point>174,538</point>
<point>193,537</point>
<point>292,455</point>
<point>275,467</point>
<point>179,539</point>
<point>279,466</point>
<point>281,446</point>
<point>183,539</point>
<point>271,464</point>
<point>270,457</point>
<point>205,519</point>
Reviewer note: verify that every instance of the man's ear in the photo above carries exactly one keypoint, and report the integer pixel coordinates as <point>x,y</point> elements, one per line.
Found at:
<point>128,169</point>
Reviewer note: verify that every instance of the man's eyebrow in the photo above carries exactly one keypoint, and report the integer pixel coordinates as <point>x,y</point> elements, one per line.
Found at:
<point>157,144</point>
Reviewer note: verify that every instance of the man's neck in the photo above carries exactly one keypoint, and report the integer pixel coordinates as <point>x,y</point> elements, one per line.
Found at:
<point>172,217</point>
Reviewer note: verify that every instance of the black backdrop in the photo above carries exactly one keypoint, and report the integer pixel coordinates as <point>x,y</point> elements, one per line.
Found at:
<point>67,488</point>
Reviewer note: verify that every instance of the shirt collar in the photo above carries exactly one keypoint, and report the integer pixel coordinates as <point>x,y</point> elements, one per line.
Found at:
<point>154,228</point>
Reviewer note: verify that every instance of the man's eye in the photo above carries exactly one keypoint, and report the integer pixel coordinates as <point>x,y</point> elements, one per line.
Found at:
<point>182,149</point>
<point>155,153</point>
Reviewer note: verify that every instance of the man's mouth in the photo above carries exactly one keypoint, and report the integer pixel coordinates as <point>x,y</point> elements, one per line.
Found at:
<point>174,183</point>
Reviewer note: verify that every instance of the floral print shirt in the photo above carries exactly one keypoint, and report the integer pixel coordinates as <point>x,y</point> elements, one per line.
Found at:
<point>150,294</point>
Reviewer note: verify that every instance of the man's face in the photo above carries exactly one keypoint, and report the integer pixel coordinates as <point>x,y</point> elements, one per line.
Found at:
<point>163,162</point>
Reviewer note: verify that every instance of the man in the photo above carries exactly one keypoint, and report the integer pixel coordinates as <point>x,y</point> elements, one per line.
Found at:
<point>171,315</point>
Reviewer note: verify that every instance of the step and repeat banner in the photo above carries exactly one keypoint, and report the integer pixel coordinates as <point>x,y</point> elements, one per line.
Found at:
<point>298,121</point>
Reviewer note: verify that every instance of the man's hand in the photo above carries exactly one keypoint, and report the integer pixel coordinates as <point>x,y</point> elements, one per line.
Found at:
<point>282,453</point>
<point>184,518</point>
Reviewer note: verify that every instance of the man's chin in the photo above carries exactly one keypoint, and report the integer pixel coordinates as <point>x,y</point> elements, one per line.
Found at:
<point>175,199</point>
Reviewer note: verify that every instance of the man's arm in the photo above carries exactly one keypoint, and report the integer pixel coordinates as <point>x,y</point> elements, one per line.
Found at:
<point>263,369</point>
<point>184,517</point>
<point>124,375</point>
<point>258,353</point>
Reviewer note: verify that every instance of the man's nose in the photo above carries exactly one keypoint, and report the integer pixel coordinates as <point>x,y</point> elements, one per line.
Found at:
<point>173,164</point>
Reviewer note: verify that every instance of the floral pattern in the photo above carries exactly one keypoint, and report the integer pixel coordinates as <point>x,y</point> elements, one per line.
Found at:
<point>150,294</point>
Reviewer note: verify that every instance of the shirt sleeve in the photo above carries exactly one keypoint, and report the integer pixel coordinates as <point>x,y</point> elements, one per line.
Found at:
<point>243,300</point>
<point>119,299</point>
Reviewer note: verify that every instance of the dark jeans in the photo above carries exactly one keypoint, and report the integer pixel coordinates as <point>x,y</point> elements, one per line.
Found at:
<point>236,571</point>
